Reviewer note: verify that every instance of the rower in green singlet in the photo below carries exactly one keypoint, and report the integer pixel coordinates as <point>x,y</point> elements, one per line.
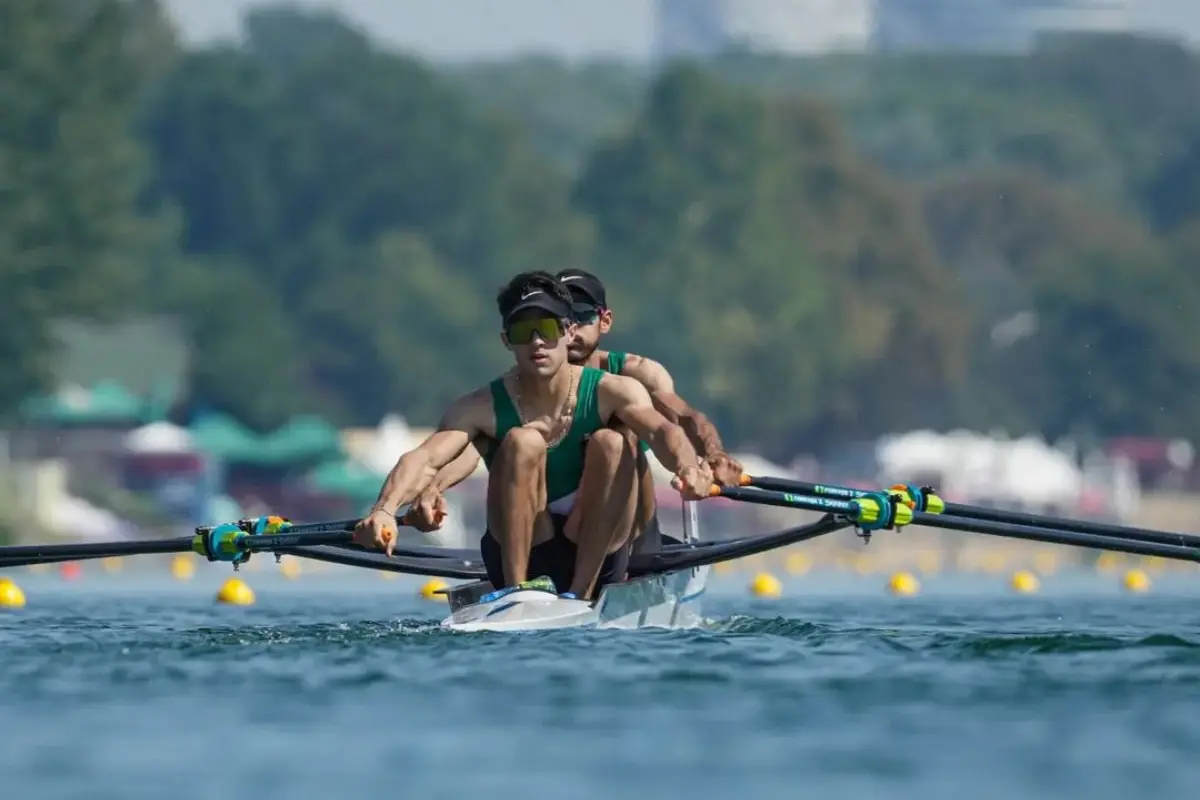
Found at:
<point>559,479</point>
<point>555,558</point>
<point>564,459</point>
<point>594,319</point>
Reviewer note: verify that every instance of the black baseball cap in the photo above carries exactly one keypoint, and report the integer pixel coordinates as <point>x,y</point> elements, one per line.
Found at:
<point>585,288</point>
<point>540,299</point>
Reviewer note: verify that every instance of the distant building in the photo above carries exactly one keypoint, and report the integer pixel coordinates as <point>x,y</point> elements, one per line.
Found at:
<point>699,28</point>
<point>989,25</point>
<point>1175,18</point>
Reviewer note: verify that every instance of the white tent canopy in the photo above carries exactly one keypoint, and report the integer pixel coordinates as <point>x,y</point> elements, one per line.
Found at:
<point>392,439</point>
<point>159,437</point>
<point>972,464</point>
<point>79,519</point>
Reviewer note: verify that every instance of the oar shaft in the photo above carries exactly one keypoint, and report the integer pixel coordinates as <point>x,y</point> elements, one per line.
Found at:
<point>989,527</point>
<point>789,499</point>
<point>275,541</point>
<point>35,553</point>
<point>993,514</point>
<point>1052,536</point>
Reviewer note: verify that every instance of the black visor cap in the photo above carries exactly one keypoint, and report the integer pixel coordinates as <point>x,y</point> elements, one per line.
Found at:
<point>585,288</point>
<point>542,301</point>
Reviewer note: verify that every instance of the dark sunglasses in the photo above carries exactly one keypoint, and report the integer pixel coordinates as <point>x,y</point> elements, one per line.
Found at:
<point>548,329</point>
<point>585,315</point>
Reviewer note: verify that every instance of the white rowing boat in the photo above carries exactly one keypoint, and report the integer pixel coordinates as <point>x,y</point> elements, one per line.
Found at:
<point>664,600</point>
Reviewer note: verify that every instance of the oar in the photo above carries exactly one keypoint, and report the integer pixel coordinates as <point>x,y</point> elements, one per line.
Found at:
<point>399,562</point>
<point>21,555</point>
<point>228,542</point>
<point>699,554</point>
<point>989,527</point>
<point>990,514</point>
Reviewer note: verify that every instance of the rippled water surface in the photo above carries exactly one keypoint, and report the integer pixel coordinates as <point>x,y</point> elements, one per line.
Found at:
<point>344,689</point>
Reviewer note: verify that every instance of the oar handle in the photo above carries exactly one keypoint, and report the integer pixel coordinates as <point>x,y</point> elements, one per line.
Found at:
<point>919,498</point>
<point>235,541</point>
<point>871,512</point>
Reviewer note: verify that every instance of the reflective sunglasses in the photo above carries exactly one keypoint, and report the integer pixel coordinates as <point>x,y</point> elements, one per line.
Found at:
<point>522,331</point>
<point>585,314</point>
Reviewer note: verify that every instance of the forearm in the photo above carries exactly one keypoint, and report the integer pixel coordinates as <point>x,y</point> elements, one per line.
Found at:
<point>456,471</point>
<point>702,433</point>
<point>407,479</point>
<point>671,446</point>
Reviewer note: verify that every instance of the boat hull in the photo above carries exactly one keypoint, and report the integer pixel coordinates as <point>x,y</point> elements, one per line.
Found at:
<point>669,600</point>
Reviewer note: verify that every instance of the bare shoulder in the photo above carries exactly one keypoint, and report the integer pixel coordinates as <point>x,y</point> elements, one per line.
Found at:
<point>650,373</point>
<point>619,390</point>
<point>472,412</point>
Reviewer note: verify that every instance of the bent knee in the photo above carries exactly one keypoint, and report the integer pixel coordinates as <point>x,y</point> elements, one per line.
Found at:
<point>524,445</point>
<point>625,431</point>
<point>609,444</point>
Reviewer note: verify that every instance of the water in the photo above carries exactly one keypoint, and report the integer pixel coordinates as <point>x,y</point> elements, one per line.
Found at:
<point>343,688</point>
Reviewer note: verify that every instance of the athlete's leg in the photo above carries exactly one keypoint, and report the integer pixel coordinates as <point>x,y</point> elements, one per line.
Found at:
<point>645,501</point>
<point>602,520</point>
<point>517,517</point>
<point>648,535</point>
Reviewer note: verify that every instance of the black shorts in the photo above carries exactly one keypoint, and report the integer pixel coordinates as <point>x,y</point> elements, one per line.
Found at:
<point>554,558</point>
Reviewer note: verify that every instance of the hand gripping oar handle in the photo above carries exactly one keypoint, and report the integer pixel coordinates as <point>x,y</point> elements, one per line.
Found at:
<point>234,542</point>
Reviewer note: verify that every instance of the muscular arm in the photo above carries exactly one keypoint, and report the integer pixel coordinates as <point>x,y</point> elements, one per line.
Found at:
<point>627,400</point>
<point>457,470</point>
<point>661,386</point>
<point>465,419</point>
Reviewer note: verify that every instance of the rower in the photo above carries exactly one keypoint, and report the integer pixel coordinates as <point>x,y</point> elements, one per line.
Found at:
<point>594,319</point>
<point>555,509</point>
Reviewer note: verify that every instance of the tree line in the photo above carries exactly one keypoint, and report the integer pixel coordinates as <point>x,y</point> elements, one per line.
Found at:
<point>819,249</point>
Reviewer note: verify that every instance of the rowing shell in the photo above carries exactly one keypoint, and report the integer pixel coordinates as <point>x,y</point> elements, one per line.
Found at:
<point>664,600</point>
<point>670,600</point>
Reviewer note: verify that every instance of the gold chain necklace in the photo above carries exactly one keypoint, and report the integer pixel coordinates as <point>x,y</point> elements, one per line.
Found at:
<point>561,425</point>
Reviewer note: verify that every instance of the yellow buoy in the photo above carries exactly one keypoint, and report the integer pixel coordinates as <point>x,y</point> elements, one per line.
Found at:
<point>11,595</point>
<point>1108,562</point>
<point>290,567</point>
<point>766,585</point>
<point>1024,582</point>
<point>431,587</point>
<point>112,564</point>
<point>235,592</point>
<point>182,567</point>
<point>1137,581</point>
<point>903,583</point>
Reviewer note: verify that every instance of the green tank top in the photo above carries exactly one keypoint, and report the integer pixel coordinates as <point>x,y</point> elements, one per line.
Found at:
<point>564,461</point>
<point>616,363</point>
